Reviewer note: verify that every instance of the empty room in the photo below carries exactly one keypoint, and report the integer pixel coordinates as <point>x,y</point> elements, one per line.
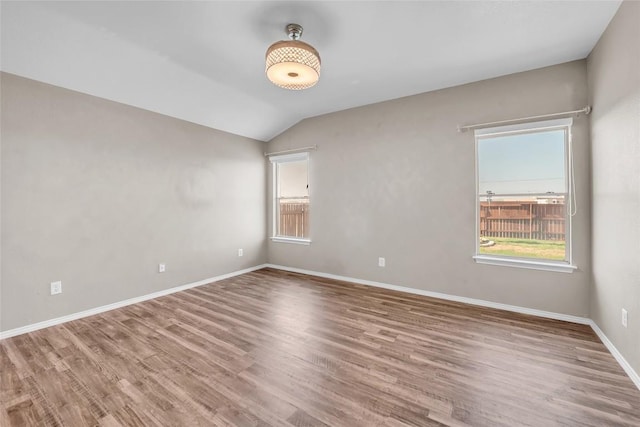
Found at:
<point>331,213</point>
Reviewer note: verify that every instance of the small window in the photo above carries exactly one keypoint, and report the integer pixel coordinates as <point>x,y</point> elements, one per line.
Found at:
<point>524,193</point>
<point>291,197</point>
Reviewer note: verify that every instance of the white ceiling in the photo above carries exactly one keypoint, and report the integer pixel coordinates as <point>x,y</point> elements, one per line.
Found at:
<point>204,61</point>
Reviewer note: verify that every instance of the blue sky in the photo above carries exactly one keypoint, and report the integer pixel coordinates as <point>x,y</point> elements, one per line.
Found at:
<point>529,163</point>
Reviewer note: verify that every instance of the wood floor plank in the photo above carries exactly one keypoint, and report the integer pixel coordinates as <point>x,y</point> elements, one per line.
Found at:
<point>273,348</point>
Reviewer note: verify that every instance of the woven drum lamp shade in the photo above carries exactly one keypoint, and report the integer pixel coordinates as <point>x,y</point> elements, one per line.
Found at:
<point>293,64</point>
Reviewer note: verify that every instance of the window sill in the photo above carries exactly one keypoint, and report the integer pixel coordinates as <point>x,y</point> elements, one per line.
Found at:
<point>561,267</point>
<point>294,240</point>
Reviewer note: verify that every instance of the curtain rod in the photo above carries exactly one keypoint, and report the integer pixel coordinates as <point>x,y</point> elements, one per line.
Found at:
<point>295,150</point>
<point>585,110</point>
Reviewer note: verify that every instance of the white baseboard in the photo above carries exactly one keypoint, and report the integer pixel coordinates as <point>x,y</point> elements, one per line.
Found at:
<point>618,356</point>
<point>517,309</point>
<point>473,301</point>
<point>58,320</point>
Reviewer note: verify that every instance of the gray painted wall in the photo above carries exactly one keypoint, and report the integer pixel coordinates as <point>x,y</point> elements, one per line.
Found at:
<point>96,194</point>
<point>614,86</point>
<point>396,180</point>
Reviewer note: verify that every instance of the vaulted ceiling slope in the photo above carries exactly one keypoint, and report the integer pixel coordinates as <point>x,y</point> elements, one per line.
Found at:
<point>204,61</point>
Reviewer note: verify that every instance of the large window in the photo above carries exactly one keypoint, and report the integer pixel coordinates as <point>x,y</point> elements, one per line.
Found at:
<point>524,203</point>
<point>291,197</point>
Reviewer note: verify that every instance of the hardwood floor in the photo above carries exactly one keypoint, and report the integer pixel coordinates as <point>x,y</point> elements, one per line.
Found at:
<point>277,348</point>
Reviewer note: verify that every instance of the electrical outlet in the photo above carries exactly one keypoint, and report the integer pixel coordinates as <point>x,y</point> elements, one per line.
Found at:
<point>240,252</point>
<point>162,268</point>
<point>381,262</point>
<point>56,288</point>
<point>624,317</point>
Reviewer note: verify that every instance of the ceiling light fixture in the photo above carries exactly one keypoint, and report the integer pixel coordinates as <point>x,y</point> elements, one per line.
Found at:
<point>293,64</point>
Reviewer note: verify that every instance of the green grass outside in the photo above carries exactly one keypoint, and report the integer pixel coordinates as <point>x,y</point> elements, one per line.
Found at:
<point>526,248</point>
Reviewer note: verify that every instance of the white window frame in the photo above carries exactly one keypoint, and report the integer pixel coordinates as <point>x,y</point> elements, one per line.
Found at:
<point>275,160</point>
<point>565,266</point>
